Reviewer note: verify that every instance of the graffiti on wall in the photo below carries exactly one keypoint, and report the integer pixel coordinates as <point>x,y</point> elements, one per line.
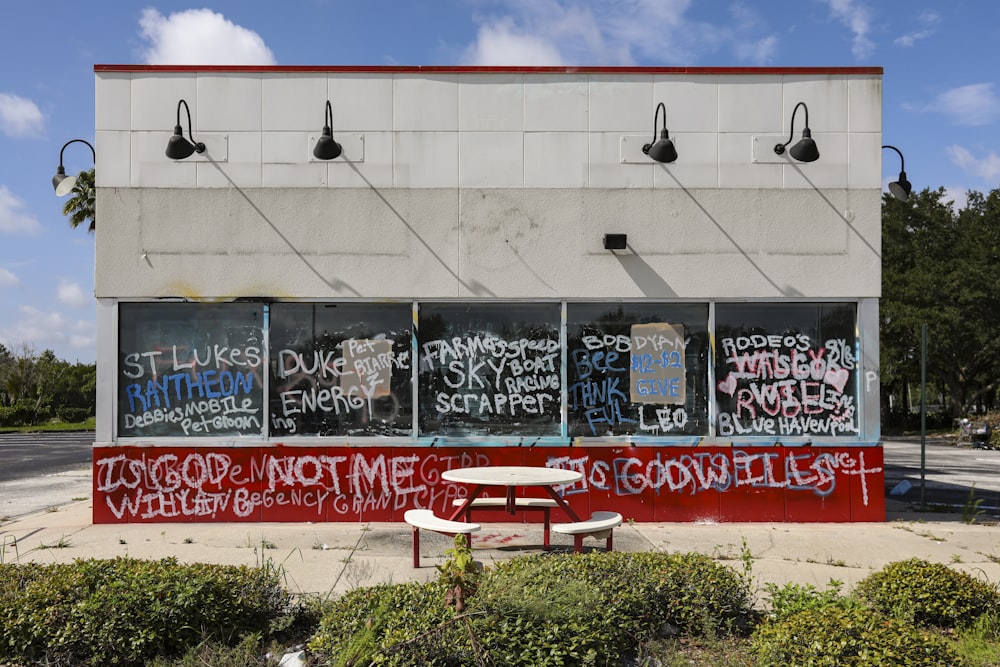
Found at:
<point>787,385</point>
<point>348,484</point>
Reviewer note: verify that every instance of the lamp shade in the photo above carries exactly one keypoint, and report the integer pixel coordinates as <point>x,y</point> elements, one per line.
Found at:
<point>663,150</point>
<point>805,150</point>
<point>178,147</point>
<point>326,148</point>
<point>900,189</point>
<point>62,183</point>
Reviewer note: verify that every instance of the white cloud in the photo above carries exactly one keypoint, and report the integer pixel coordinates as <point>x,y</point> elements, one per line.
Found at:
<point>71,294</point>
<point>200,37</point>
<point>19,117</point>
<point>41,330</point>
<point>856,17</point>
<point>987,168</point>
<point>958,196</point>
<point>13,219</point>
<point>502,44</point>
<point>748,45</point>
<point>929,20</point>
<point>612,33</point>
<point>972,105</point>
<point>760,52</point>
<point>8,278</point>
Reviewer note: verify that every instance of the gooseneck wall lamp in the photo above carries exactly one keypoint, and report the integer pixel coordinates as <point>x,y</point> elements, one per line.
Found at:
<point>326,148</point>
<point>900,189</point>
<point>663,149</point>
<point>178,147</point>
<point>805,150</point>
<point>62,183</point>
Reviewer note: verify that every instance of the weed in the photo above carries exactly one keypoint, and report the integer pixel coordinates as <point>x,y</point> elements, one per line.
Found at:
<point>188,540</point>
<point>972,511</point>
<point>3,548</point>
<point>264,543</point>
<point>61,543</point>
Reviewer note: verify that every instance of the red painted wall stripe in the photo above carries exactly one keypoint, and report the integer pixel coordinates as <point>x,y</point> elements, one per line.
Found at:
<point>454,69</point>
<point>351,484</point>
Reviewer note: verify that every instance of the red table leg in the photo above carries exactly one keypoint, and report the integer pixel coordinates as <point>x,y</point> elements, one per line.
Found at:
<point>464,508</point>
<point>562,503</point>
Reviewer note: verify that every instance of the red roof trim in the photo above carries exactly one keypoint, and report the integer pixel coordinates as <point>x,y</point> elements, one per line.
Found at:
<point>453,69</point>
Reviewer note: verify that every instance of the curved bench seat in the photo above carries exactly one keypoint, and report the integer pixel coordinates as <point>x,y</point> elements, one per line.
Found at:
<point>428,520</point>
<point>600,525</point>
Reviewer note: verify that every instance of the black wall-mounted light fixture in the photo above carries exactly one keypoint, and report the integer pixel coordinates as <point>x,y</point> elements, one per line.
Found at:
<point>178,147</point>
<point>615,241</point>
<point>900,189</point>
<point>326,148</point>
<point>62,183</point>
<point>805,150</point>
<point>663,149</point>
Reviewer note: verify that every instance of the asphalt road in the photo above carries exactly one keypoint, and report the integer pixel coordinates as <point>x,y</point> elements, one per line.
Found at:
<point>25,455</point>
<point>43,470</point>
<point>39,471</point>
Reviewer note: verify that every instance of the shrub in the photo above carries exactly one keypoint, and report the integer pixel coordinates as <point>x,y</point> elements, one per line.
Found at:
<point>792,598</point>
<point>20,414</point>
<point>72,415</point>
<point>538,610</point>
<point>831,636</point>
<point>127,611</point>
<point>928,594</point>
<point>376,622</point>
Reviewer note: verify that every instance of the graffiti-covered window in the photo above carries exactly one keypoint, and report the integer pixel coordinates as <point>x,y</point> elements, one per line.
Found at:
<point>786,370</point>
<point>341,369</point>
<point>489,369</point>
<point>190,369</point>
<point>637,369</point>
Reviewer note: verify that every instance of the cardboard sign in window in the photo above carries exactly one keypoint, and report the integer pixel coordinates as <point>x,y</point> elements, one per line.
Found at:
<point>657,364</point>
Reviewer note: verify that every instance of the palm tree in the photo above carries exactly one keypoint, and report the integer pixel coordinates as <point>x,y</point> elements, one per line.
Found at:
<point>81,205</point>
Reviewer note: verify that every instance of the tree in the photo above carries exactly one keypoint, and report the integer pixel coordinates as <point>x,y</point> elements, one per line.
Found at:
<point>81,205</point>
<point>941,268</point>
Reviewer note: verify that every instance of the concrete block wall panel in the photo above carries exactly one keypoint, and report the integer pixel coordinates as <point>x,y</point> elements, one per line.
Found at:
<point>476,183</point>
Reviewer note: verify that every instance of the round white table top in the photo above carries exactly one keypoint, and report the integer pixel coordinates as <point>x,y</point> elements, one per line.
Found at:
<point>512,476</point>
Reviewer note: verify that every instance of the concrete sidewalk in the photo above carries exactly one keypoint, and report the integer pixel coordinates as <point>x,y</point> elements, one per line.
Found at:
<point>336,557</point>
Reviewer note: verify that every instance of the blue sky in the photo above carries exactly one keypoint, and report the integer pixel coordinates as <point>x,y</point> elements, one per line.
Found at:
<point>941,103</point>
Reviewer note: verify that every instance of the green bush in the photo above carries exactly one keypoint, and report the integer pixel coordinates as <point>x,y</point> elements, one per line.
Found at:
<point>537,611</point>
<point>831,636</point>
<point>127,611</point>
<point>791,598</point>
<point>20,414</point>
<point>928,594</point>
<point>390,623</point>
<point>72,415</point>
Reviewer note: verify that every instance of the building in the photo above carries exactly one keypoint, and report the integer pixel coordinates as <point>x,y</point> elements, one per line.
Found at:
<point>490,270</point>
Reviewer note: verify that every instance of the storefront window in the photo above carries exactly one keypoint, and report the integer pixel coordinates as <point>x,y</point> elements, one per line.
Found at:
<point>489,369</point>
<point>637,369</point>
<point>786,370</point>
<point>341,369</point>
<point>190,370</point>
